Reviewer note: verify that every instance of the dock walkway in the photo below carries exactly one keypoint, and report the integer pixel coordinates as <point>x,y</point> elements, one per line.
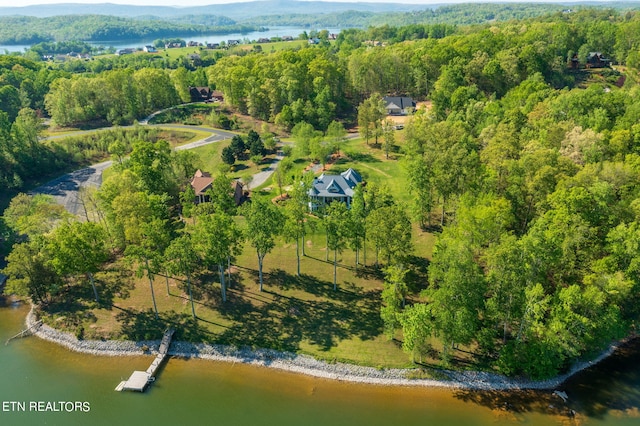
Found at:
<point>139,380</point>
<point>24,333</point>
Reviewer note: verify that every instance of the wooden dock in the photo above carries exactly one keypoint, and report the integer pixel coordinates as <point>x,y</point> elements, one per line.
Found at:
<point>139,380</point>
<point>27,332</point>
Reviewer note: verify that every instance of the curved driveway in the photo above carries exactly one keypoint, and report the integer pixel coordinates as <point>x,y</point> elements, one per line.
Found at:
<point>65,189</point>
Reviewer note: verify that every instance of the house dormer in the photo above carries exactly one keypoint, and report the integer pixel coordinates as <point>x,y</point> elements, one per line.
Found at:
<point>333,187</point>
<point>330,188</point>
<point>352,177</point>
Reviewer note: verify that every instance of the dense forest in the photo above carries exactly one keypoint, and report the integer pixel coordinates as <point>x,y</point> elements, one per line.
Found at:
<point>461,14</point>
<point>99,28</point>
<point>527,166</point>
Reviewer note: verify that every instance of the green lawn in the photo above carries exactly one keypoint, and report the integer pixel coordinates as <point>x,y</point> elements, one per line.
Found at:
<point>209,160</point>
<point>266,47</point>
<point>369,161</point>
<point>300,314</point>
<point>195,114</point>
<point>269,47</point>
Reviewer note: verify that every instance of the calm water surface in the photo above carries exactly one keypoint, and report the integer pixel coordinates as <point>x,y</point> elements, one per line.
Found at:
<point>203,392</point>
<point>202,38</point>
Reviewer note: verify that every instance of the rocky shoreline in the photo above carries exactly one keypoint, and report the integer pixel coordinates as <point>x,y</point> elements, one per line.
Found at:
<point>304,364</point>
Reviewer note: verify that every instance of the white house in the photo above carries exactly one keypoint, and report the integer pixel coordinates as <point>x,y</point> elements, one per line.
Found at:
<point>398,105</point>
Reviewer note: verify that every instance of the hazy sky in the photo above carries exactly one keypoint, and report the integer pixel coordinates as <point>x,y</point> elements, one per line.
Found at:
<point>14,3</point>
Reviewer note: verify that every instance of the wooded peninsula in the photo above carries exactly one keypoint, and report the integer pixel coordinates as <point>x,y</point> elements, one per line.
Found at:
<point>491,221</point>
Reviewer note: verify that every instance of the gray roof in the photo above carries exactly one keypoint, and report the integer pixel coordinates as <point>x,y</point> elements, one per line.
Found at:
<point>401,102</point>
<point>335,185</point>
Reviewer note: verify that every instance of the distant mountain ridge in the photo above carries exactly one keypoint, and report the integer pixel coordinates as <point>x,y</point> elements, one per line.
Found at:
<point>243,10</point>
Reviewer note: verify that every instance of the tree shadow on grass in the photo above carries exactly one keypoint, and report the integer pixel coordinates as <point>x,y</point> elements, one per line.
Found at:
<point>312,285</point>
<point>370,272</point>
<point>270,319</point>
<point>71,308</point>
<point>203,286</point>
<point>358,156</point>
<point>69,315</point>
<point>77,296</point>
<point>239,167</point>
<point>114,282</point>
<point>143,325</point>
<point>417,277</point>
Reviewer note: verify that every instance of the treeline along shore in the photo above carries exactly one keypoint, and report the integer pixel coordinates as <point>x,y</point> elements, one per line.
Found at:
<point>304,364</point>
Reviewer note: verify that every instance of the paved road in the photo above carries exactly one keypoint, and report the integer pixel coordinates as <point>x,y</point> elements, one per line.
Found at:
<point>261,177</point>
<point>65,189</point>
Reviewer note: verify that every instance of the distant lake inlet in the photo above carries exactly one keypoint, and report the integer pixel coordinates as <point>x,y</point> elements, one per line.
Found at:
<point>200,38</point>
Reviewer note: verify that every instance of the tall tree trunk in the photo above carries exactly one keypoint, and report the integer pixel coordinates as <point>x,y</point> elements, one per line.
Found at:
<point>335,270</point>
<point>222,286</point>
<point>93,285</point>
<point>303,235</point>
<point>364,249</point>
<point>526,217</point>
<point>229,271</point>
<point>84,207</point>
<point>506,320</point>
<point>153,296</point>
<point>327,250</point>
<point>298,255</point>
<point>193,308</point>
<point>430,207</point>
<point>260,269</point>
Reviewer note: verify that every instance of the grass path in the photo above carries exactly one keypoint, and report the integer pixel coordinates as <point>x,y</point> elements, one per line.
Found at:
<point>359,163</point>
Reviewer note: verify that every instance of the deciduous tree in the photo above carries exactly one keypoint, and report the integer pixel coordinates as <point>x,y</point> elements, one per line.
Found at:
<point>78,248</point>
<point>264,221</point>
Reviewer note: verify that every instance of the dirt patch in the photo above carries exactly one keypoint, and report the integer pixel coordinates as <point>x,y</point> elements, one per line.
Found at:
<point>402,119</point>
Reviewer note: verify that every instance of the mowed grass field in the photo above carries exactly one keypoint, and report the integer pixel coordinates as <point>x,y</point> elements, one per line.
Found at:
<point>368,159</point>
<point>209,159</point>
<point>176,53</point>
<point>299,314</point>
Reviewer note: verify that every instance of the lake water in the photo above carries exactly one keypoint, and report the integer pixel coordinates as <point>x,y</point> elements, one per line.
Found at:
<point>206,38</point>
<point>33,371</point>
